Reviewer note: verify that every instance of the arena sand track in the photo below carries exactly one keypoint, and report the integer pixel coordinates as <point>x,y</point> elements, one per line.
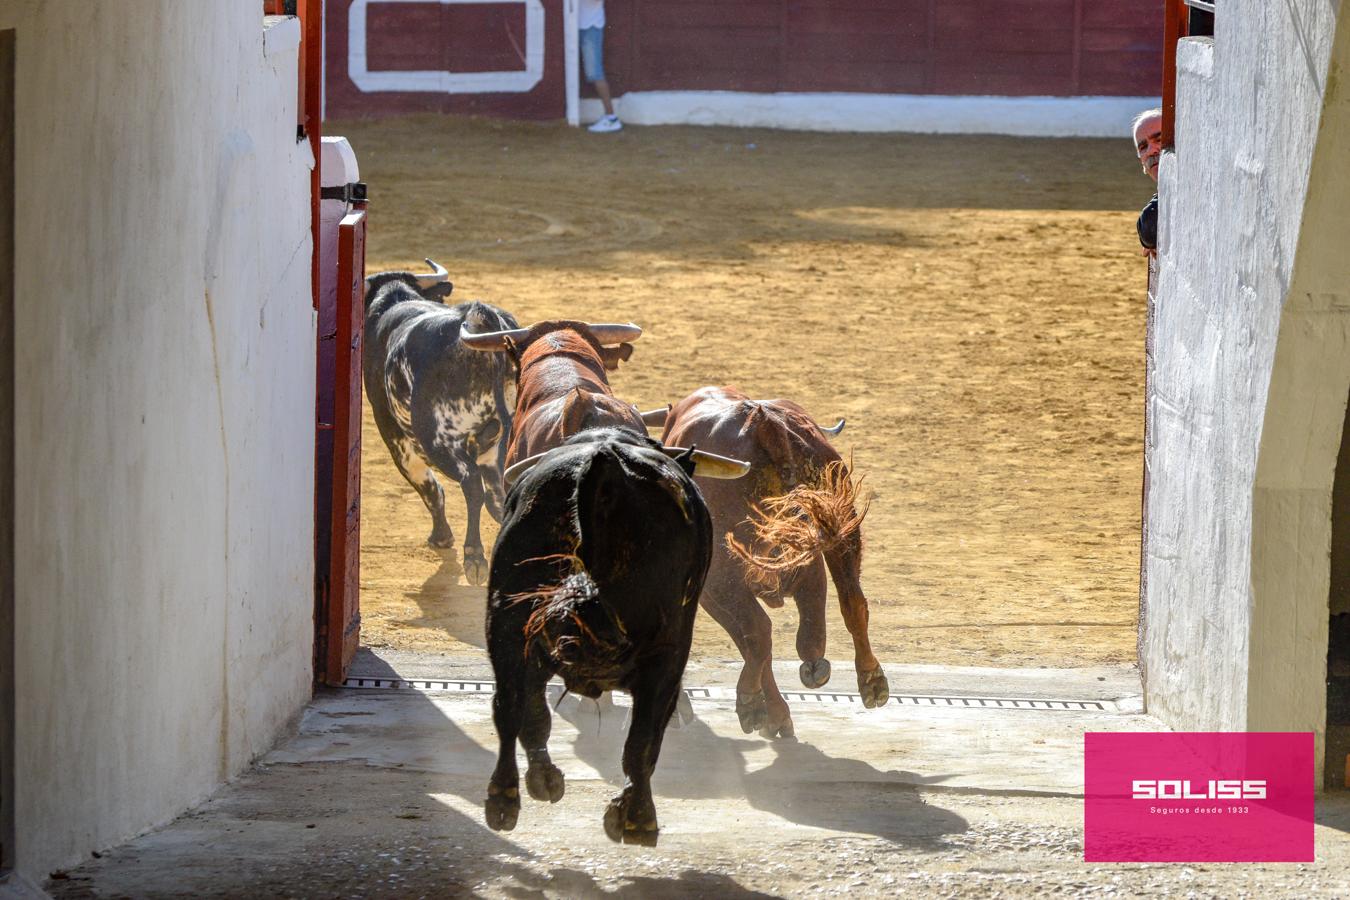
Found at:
<point>974,306</point>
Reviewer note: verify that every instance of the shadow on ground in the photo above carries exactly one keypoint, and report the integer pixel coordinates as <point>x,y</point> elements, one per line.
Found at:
<point>801,785</point>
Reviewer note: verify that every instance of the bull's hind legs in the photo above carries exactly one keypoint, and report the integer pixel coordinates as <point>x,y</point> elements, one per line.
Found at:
<point>759,705</point>
<point>630,817</point>
<point>520,711</point>
<point>808,590</point>
<point>420,476</point>
<point>475,562</point>
<point>543,779</point>
<point>503,800</point>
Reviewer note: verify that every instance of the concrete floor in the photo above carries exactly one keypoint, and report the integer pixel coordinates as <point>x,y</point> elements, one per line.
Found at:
<point>379,794</point>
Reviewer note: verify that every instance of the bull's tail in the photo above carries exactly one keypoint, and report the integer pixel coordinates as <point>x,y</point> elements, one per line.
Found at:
<point>794,527</point>
<point>568,622</point>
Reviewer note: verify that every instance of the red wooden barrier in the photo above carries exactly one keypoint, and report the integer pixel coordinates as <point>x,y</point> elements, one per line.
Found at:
<point>494,57</point>
<point>385,58</point>
<point>1174,29</point>
<point>998,47</point>
<point>341,624</point>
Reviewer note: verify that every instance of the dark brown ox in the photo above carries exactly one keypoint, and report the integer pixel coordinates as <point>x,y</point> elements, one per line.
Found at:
<point>777,530</point>
<point>561,386</point>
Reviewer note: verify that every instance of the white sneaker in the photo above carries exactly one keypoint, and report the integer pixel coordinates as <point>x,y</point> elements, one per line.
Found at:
<point>605,124</point>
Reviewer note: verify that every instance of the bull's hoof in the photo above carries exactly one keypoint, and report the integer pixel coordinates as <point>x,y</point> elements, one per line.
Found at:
<point>544,781</point>
<point>752,710</point>
<point>627,826</point>
<point>874,688</point>
<point>475,566</point>
<point>684,711</point>
<point>815,674</point>
<point>781,731</point>
<point>441,539</point>
<point>502,809</point>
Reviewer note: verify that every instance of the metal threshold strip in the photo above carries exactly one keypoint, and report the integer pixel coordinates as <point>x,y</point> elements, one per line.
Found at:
<point>1026,704</point>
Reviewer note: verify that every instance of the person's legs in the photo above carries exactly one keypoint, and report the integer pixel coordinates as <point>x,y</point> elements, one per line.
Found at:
<point>593,66</point>
<point>602,88</point>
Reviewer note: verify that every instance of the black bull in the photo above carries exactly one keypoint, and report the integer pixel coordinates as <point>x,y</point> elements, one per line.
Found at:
<point>595,576</point>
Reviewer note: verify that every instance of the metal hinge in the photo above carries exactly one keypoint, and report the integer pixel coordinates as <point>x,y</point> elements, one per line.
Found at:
<point>354,192</point>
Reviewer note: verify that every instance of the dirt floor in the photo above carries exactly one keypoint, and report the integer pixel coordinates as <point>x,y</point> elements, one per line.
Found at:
<point>974,306</point>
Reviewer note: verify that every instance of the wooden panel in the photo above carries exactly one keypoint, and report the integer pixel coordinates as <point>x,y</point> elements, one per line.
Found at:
<point>1146,18</point>
<point>343,613</point>
<point>404,37</point>
<point>847,49</point>
<point>1118,40</point>
<point>969,19</point>
<point>478,37</point>
<point>1122,74</point>
<point>709,17</point>
<point>686,59</point>
<point>486,37</point>
<point>483,38</point>
<point>311,74</point>
<point>881,78</point>
<point>7,601</point>
<point>1006,73</point>
<point>906,18</point>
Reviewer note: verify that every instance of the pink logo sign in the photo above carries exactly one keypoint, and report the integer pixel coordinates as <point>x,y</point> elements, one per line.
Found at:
<point>1198,797</point>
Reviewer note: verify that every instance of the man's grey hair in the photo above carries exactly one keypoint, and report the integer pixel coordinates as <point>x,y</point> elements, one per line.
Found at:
<point>1142,117</point>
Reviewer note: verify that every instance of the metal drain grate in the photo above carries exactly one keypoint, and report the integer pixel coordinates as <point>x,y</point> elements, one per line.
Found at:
<point>458,686</point>
<point>437,685</point>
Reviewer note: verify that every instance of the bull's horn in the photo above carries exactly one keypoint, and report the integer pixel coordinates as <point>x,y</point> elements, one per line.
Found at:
<point>437,275</point>
<point>706,465</point>
<point>515,470</point>
<point>710,465</point>
<point>608,334</point>
<point>655,418</point>
<point>834,432</point>
<point>491,340</point>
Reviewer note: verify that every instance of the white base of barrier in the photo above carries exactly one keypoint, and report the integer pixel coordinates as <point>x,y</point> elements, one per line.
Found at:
<point>924,114</point>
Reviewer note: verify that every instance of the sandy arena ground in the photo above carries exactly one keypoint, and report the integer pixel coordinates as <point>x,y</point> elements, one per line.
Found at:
<point>974,306</point>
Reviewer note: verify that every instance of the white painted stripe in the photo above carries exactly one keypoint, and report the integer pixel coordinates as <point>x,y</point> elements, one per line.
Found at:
<point>441,81</point>
<point>924,114</point>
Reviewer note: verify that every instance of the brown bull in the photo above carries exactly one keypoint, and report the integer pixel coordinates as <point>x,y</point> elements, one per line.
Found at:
<point>777,530</point>
<point>561,386</point>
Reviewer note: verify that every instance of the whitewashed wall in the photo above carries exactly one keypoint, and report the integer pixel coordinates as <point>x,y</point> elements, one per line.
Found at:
<point>164,410</point>
<point>1251,374</point>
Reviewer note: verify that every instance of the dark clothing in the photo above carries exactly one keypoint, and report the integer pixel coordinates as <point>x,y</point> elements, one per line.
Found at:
<point>1200,23</point>
<point>1148,225</point>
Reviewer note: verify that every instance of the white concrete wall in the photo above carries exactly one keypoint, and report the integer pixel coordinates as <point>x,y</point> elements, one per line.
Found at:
<point>164,410</point>
<point>915,113</point>
<point>1248,392</point>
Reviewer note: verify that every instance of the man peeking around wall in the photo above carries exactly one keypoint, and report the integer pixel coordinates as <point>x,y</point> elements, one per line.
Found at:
<point>1147,132</point>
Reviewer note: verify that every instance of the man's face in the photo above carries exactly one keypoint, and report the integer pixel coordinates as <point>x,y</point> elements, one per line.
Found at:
<point>1148,144</point>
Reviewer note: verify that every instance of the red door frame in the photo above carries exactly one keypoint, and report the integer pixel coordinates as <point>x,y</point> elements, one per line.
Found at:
<point>341,622</point>
<point>337,468</point>
<point>1175,21</point>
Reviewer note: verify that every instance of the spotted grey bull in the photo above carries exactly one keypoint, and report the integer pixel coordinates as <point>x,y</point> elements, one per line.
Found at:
<point>438,405</point>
